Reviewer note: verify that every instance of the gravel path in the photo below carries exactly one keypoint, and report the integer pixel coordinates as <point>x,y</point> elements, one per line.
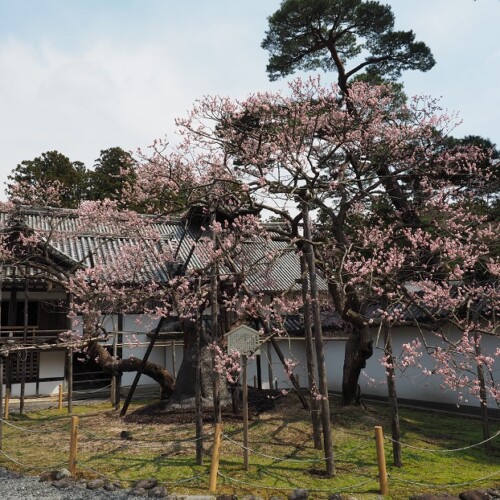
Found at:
<point>17,487</point>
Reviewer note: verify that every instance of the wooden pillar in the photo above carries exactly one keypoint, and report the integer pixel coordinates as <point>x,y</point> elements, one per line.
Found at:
<point>12,314</point>
<point>11,321</point>
<point>70,379</point>
<point>259,371</point>
<point>245,412</point>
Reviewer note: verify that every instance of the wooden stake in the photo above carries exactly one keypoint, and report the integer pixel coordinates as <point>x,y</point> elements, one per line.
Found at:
<point>7,397</point>
<point>60,406</point>
<point>214,466</point>
<point>382,472</point>
<point>73,445</point>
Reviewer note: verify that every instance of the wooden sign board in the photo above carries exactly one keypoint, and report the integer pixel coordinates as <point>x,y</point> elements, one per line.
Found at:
<point>243,339</point>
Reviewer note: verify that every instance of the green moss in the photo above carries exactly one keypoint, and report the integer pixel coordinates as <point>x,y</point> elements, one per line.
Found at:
<point>282,456</point>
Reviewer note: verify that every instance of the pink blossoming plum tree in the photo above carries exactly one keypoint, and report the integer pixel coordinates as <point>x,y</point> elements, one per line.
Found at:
<point>368,191</point>
<point>390,209</point>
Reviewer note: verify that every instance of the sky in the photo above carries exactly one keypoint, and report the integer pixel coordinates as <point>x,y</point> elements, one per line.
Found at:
<point>79,76</point>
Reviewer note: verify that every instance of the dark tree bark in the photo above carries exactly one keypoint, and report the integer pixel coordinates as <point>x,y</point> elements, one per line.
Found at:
<point>184,392</point>
<point>358,349</point>
<point>110,365</point>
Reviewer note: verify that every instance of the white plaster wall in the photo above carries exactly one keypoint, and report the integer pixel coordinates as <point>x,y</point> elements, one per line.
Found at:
<point>52,364</point>
<point>135,343</point>
<point>412,383</point>
<point>29,389</point>
<point>294,349</point>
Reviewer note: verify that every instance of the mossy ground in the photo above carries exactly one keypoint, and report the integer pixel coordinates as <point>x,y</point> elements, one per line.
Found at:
<point>282,456</point>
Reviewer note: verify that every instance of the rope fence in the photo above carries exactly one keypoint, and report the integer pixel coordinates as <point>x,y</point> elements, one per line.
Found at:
<point>147,441</point>
<point>448,485</point>
<point>32,431</point>
<point>92,391</point>
<point>430,450</point>
<point>31,467</point>
<point>350,488</point>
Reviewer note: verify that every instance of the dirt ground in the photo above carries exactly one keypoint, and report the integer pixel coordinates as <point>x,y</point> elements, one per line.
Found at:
<point>259,401</point>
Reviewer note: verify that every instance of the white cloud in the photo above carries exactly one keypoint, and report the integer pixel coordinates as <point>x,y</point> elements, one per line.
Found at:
<point>116,80</point>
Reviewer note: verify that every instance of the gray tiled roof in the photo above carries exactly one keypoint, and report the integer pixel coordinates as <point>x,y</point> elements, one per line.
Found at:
<point>77,245</point>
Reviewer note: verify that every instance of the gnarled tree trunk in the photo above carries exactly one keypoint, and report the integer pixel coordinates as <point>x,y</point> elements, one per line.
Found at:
<point>110,365</point>
<point>184,392</point>
<point>358,349</point>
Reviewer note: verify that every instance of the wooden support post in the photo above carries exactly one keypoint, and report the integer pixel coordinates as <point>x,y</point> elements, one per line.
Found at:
<point>293,380</point>
<point>214,466</point>
<point>73,445</point>
<point>382,472</point>
<point>259,371</point>
<point>117,351</point>
<point>245,412</point>
<point>112,390</point>
<point>198,393</point>
<point>119,377</point>
<point>173,359</point>
<point>1,400</point>
<point>7,397</point>
<point>131,391</point>
<point>270,373</point>
<point>114,375</point>
<point>70,380</point>
<point>255,381</point>
<point>60,405</point>
<point>318,343</point>
<point>25,340</point>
